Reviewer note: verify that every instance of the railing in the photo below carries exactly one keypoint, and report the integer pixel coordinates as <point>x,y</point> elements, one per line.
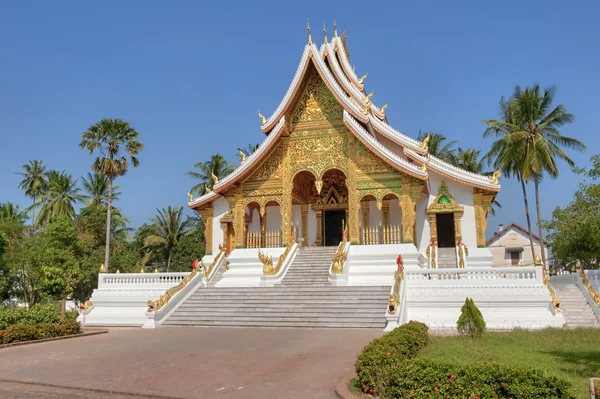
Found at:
<point>394,301</point>
<point>431,254</point>
<point>381,235</point>
<point>546,279</point>
<point>589,286</point>
<point>341,255</point>
<point>461,254</point>
<point>267,261</point>
<point>153,280</point>
<point>271,239</point>
<point>474,273</point>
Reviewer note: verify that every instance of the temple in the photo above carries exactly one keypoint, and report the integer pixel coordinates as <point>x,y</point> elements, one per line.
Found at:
<point>337,220</point>
<point>331,159</point>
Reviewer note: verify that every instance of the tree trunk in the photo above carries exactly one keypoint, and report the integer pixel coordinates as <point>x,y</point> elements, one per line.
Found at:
<point>528,217</point>
<point>169,261</point>
<point>33,218</point>
<point>108,218</point>
<point>63,307</point>
<point>536,182</point>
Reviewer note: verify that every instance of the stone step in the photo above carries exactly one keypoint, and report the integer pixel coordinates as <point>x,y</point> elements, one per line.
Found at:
<point>282,324</point>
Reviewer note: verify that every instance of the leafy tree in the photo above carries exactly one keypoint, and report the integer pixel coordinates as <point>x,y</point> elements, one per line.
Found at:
<point>12,226</point>
<point>61,268</point>
<point>470,321</point>
<point>34,182</point>
<point>59,197</point>
<point>189,247</point>
<point>26,268</point>
<point>534,142</point>
<point>96,188</point>
<point>438,147</point>
<point>169,228</point>
<point>575,229</point>
<point>10,211</point>
<point>249,150</point>
<point>5,284</point>
<point>469,160</point>
<point>114,140</point>
<point>217,168</point>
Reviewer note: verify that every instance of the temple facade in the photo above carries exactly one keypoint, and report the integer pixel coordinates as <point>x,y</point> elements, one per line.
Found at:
<point>332,167</point>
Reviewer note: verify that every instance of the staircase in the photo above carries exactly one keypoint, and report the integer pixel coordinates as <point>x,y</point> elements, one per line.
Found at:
<point>304,298</point>
<point>575,309</point>
<point>447,258</point>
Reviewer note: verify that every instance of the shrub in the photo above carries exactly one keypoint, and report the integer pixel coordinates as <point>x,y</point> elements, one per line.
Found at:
<point>38,314</point>
<point>400,344</point>
<point>27,332</point>
<point>426,378</point>
<point>470,321</point>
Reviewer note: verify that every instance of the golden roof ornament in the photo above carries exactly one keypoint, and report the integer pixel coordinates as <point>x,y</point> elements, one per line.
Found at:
<point>207,190</point>
<point>363,78</point>
<point>538,260</point>
<point>325,32</point>
<point>190,197</point>
<point>424,166</point>
<point>383,108</point>
<point>334,29</point>
<point>214,178</point>
<point>496,177</point>
<point>118,271</point>
<point>263,120</point>
<point>425,144</point>
<point>309,36</point>
<point>102,268</point>
<point>242,156</point>
<point>368,99</point>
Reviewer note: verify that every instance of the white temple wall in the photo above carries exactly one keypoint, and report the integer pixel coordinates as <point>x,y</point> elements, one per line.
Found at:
<point>374,214</point>
<point>463,194</point>
<point>273,218</point>
<point>220,208</point>
<point>312,226</point>
<point>422,224</point>
<point>254,225</point>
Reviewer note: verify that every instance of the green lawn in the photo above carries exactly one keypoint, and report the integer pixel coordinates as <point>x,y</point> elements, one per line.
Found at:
<point>571,354</point>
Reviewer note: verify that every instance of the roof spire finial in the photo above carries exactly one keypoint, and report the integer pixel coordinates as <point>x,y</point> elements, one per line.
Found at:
<point>325,31</point>
<point>309,36</point>
<point>334,28</point>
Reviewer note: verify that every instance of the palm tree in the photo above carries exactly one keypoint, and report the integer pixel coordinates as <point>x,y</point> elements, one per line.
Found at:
<point>532,143</point>
<point>34,182</point>
<point>249,150</point>
<point>58,197</point>
<point>169,227</point>
<point>96,187</point>
<point>114,139</point>
<point>12,212</point>
<point>437,147</point>
<point>217,168</point>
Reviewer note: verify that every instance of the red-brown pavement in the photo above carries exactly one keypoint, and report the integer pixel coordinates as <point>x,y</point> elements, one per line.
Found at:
<point>191,362</point>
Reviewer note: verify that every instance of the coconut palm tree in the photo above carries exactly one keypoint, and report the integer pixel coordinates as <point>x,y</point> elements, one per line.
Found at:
<point>169,227</point>
<point>34,182</point>
<point>249,150</point>
<point>59,197</point>
<point>96,188</point>
<point>12,212</point>
<point>438,147</point>
<point>114,140</point>
<point>534,143</point>
<point>217,168</point>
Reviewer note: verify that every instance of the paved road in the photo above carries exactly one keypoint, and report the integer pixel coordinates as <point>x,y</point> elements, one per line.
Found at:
<point>186,363</point>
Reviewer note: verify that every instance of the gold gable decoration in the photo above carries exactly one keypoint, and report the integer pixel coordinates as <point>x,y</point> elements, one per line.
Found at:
<point>332,200</point>
<point>317,103</point>
<point>444,202</point>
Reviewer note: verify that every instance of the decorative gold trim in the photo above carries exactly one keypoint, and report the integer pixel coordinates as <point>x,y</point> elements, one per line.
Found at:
<point>267,261</point>
<point>394,302</point>
<point>586,282</point>
<point>340,256</point>
<point>546,279</point>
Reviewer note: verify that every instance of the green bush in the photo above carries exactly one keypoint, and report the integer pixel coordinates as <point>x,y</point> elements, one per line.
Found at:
<point>38,314</point>
<point>28,332</point>
<point>470,321</point>
<point>400,344</point>
<point>426,378</point>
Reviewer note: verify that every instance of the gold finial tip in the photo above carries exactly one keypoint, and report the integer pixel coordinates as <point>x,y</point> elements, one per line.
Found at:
<point>334,28</point>
<point>263,120</point>
<point>325,31</point>
<point>308,28</point>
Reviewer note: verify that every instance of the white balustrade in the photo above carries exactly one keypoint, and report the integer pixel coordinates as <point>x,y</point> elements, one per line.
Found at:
<point>140,280</point>
<point>475,273</point>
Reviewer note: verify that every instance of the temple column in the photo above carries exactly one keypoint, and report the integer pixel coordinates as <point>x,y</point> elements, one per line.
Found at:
<point>263,226</point>
<point>385,213</point>
<point>304,219</point>
<point>319,227</point>
<point>457,226</point>
<point>433,227</point>
<point>353,220</point>
<point>408,203</point>
<point>207,218</point>
<point>482,202</point>
<point>286,197</point>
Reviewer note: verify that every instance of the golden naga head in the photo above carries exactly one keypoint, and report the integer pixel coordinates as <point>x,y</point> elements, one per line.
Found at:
<point>263,120</point>
<point>368,99</point>
<point>214,178</point>
<point>361,80</point>
<point>425,143</point>
<point>496,177</point>
<point>383,108</point>
<point>190,197</point>
<point>242,156</point>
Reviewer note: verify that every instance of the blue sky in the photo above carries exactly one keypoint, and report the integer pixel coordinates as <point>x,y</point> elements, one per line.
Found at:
<point>190,76</point>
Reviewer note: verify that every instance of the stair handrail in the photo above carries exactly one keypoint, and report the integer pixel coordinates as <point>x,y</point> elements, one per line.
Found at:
<point>267,261</point>
<point>461,253</point>
<point>210,271</point>
<point>341,255</point>
<point>397,302</point>
<point>431,254</point>
<point>588,285</point>
<point>154,306</point>
<point>546,279</point>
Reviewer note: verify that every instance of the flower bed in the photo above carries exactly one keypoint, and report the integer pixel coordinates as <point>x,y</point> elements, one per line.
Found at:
<point>30,332</point>
<point>390,367</point>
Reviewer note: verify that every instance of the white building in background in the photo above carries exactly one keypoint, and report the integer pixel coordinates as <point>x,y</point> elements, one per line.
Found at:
<point>511,245</point>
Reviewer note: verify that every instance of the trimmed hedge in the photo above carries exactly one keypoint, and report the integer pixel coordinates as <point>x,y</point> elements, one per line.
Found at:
<point>470,322</point>
<point>30,332</point>
<point>390,368</point>
<point>36,315</point>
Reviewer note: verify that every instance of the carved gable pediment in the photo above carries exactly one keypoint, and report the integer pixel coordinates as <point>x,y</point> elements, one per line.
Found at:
<point>317,103</point>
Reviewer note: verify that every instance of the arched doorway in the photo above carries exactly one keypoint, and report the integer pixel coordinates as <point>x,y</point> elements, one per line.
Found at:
<point>332,204</point>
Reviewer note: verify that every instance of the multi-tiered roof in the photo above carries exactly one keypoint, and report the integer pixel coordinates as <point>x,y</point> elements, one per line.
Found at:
<point>362,117</point>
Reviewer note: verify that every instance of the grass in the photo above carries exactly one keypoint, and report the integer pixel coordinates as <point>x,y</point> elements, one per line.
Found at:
<point>571,354</point>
